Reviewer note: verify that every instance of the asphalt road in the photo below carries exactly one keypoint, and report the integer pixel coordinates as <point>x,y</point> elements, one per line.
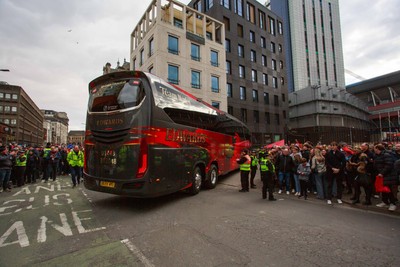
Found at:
<point>55,225</point>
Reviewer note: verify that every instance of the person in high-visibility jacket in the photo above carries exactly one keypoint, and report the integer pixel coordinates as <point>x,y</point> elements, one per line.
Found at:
<point>253,168</point>
<point>75,161</point>
<point>20,167</point>
<point>244,161</point>
<point>267,170</point>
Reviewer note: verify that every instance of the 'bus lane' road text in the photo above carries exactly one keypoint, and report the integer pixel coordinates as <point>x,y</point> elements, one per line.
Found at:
<point>32,198</point>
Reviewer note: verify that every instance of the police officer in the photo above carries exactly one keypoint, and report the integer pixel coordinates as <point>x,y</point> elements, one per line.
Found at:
<point>244,161</point>
<point>253,168</point>
<point>20,167</point>
<point>267,170</point>
<point>75,161</point>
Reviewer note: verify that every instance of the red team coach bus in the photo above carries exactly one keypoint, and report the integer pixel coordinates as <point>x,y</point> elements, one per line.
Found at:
<point>146,138</point>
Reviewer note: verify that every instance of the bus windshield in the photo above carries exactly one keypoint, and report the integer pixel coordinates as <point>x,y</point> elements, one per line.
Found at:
<point>116,96</point>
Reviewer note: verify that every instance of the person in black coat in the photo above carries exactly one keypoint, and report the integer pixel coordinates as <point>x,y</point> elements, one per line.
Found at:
<point>335,166</point>
<point>285,167</point>
<point>384,167</point>
<point>32,166</point>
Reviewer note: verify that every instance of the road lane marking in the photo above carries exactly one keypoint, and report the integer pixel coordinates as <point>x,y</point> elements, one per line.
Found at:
<point>137,252</point>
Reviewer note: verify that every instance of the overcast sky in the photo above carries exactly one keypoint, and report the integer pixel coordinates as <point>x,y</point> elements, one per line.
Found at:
<point>54,48</point>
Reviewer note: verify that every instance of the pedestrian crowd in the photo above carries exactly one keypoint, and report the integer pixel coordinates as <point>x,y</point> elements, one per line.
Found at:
<point>20,165</point>
<point>327,171</point>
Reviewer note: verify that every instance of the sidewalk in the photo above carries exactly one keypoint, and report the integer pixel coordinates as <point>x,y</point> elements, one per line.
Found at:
<point>233,179</point>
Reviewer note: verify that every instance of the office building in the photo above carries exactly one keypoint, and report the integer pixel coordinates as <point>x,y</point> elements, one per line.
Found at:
<point>255,65</point>
<point>56,126</point>
<point>184,47</point>
<point>21,119</point>
<point>319,110</point>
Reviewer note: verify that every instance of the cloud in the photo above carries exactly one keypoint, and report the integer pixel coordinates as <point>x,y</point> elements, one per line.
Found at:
<point>370,39</point>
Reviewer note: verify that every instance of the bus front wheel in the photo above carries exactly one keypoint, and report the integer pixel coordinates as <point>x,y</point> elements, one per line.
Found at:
<point>212,177</point>
<point>196,181</point>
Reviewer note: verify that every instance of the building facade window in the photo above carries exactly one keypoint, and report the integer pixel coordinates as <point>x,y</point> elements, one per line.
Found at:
<point>173,74</point>
<point>279,48</point>
<point>227,24</point>
<point>262,19</point>
<point>271,25</point>
<point>1,95</point>
<point>264,60</point>
<point>242,93</point>
<point>274,82</point>
<point>273,62</point>
<point>283,98</point>
<point>8,96</point>
<point>209,4</point>
<point>255,95</point>
<point>229,92</point>
<point>151,47</point>
<point>272,47</point>
<point>214,84</point>
<point>214,58</point>
<point>252,37</point>
<point>178,23</point>
<point>265,79</point>
<point>173,45</point>
<point>276,101</point>
<point>253,56</point>
<point>240,30</point>
<point>225,3</point>
<point>242,72</point>
<point>254,76</point>
<point>280,28</point>
<point>228,67</point>
<point>141,57</point>
<point>227,45</point>
<point>215,104</point>
<point>195,52</point>
<point>250,12</point>
<point>238,6</point>
<point>7,109</point>
<point>13,109</point>
<point>266,98</point>
<point>281,64</point>
<point>196,79</point>
<point>263,42</point>
<point>241,51</point>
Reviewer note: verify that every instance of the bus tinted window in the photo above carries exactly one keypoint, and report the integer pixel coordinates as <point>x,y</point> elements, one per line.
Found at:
<point>115,96</point>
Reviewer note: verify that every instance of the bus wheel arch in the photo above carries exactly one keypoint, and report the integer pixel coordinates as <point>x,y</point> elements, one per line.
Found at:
<point>197,180</point>
<point>212,177</point>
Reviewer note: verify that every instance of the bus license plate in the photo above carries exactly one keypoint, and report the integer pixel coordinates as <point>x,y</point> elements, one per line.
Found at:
<point>107,184</point>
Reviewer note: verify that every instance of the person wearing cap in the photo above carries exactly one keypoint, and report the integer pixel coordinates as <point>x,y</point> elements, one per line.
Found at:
<point>244,161</point>
<point>6,163</point>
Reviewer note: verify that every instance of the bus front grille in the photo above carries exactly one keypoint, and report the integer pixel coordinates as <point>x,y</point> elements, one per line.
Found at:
<point>109,137</point>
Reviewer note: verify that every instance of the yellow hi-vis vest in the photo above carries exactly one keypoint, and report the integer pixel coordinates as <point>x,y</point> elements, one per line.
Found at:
<point>75,159</point>
<point>246,166</point>
<point>264,165</point>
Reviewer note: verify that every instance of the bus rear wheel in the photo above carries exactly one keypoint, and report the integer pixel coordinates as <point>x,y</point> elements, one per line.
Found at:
<point>197,179</point>
<point>212,177</point>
